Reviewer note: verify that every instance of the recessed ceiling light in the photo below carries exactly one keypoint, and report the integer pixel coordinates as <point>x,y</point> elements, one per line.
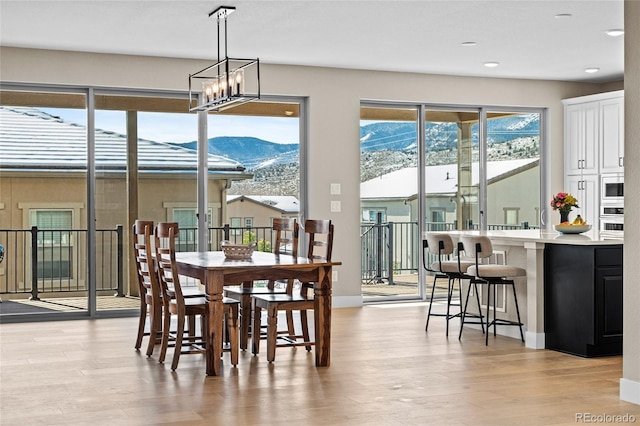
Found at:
<point>563,15</point>
<point>491,64</point>
<point>591,70</point>
<point>614,32</point>
<point>469,43</point>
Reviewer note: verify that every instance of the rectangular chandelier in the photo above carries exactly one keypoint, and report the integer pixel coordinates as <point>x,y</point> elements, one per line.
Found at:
<point>229,82</point>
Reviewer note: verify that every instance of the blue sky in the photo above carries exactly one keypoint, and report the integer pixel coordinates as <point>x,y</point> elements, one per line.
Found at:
<point>173,127</point>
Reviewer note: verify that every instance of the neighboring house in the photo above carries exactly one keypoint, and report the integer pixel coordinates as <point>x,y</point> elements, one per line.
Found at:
<point>44,163</point>
<point>511,183</point>
<point>43,170</point>
<point>259,210</point>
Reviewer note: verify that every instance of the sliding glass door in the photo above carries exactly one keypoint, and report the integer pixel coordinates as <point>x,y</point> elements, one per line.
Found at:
<point>479,168</point>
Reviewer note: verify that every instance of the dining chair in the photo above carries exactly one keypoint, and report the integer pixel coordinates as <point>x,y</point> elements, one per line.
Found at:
<point>479,247</point>
<point>441,246</point>
<point>182,307</point>
<point>149,288</point>
<point>320,236</point>
<point>286,242</point>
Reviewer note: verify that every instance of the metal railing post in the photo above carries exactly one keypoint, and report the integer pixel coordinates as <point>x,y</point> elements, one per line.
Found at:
<point>379,245</point>
<point>120,261</point>
<point>225,230</point>
<point>34,263</point>
<point>390,242</point>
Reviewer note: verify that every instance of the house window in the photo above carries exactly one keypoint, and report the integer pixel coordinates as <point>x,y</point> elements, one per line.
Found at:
<point>511,215</point>
<point>437,214</point>
<point>236,226</point>
<point>371,215</point>
<point>248,222</point>
<point>55,248</point>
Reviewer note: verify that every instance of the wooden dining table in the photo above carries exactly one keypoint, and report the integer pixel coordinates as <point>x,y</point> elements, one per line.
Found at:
<point>215,271</point>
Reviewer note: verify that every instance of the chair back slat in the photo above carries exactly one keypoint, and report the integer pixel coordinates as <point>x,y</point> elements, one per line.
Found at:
<point>165,236</point>
<point>142,249</point>
<point>319,248</point>
<point>287,232</point>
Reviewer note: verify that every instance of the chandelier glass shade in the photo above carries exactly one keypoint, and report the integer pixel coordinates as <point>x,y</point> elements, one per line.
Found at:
<point>227,83</point>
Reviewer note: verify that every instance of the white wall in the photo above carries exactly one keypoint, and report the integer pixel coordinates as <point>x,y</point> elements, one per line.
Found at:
<point>334,117</point>
<point>630,383</point>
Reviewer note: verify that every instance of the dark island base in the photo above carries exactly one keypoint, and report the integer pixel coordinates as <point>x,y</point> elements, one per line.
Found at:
<point>583,299</point>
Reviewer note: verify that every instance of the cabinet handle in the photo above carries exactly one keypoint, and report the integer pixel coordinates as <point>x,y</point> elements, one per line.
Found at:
<point>621,161</point>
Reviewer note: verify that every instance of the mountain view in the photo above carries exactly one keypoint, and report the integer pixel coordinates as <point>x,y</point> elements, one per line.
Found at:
<point>385,147</point>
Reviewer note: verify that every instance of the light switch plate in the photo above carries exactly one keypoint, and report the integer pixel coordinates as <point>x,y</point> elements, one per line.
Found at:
<point>335,189</point>
<point>336,206</point>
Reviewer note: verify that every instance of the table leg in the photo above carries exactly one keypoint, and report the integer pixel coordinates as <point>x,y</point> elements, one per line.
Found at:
<point>322,316</point>
<point>245,316</point>
<point>214,283</point>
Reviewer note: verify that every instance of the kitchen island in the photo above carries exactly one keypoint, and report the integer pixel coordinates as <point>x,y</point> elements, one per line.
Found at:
<point>575,299</point>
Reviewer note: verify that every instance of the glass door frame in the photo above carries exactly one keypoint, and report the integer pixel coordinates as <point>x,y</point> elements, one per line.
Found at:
<point>482,110</point>
<point>90,93</point>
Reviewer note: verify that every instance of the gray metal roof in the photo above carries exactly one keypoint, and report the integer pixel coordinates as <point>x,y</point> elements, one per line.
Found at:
<point>34,140</point>
<point>440,179</point>
<point>284,203</point>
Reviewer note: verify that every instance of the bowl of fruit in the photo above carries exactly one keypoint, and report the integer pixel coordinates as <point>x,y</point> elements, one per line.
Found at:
<point>578,226</point>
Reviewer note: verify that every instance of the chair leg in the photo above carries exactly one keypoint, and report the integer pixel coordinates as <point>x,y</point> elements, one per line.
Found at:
<point>272,330</point>
<point>179,335</point>
<point>450,284</point>
<point>141,322</point>
<point>192,326</point>
<point>166,330</point>
<point>433,289</point>
<point>155,329</point>
<point>464,310</point>
<point>304,321</point>
<point>255,330</point>
<point>486,336</point>
<point>231,320</point>
<point>245,320</point>
<point>290,325</point>
<point>475,287</point>
<point>515,298</point>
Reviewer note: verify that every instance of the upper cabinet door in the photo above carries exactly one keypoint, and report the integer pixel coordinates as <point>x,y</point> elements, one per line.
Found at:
<point>581,138</point>
<point>574,129</point>
<point>591,139</point>
<point>612,136</point>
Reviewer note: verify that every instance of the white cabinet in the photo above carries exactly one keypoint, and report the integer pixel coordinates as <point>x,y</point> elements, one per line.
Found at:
<point>581,138</point>
<point>594,145</point>
<point>586,189</point>
<point>612,136</point>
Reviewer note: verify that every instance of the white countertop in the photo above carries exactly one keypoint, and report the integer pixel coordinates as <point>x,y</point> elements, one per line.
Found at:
<point>548,237</point>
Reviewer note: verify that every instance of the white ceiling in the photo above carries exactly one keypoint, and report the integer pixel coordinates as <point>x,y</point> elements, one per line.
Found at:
<point>424,36</point>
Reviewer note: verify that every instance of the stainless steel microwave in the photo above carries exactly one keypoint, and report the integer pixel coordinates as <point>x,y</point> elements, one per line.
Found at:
<point>612,189</point>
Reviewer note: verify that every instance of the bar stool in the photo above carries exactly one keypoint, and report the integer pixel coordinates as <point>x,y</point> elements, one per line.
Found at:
<point>480,247</point>
<point>441,245</point>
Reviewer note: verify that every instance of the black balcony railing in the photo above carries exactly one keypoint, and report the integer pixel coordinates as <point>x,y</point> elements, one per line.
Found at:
<point>41,261</point>
<point>54,261</point>
<point>392,248</point>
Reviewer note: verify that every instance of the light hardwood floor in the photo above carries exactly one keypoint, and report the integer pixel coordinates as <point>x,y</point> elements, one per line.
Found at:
<point>385,370</point>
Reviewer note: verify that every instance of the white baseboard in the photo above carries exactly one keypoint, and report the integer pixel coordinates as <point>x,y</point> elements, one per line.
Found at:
<point>630,391</point>
<point>534,340</point>
<point>508,331</point>
<point>346,301</point>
